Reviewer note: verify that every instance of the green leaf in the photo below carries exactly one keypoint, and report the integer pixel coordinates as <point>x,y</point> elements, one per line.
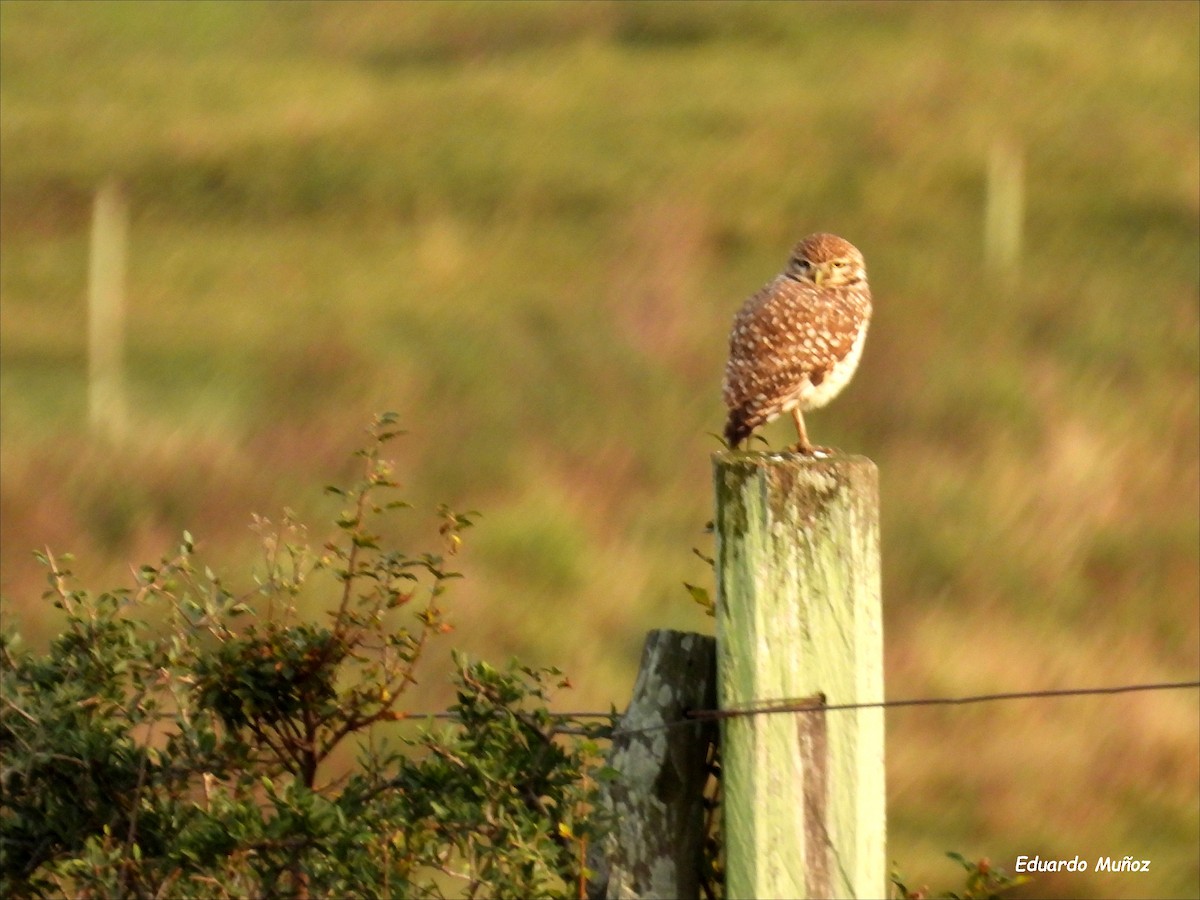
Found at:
<point>961,860</point>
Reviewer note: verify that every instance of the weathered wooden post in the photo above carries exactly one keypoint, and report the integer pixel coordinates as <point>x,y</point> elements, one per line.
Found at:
<point>657,802</point>
<point>798,616</point>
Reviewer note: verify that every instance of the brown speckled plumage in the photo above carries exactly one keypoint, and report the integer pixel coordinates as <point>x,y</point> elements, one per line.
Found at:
<point>796,343</point>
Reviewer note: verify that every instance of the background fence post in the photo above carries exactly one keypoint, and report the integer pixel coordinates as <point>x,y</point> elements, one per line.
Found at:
<point>1004,218</point>
<point>107,410</point>
<point>798,616</point>
<point>657,802</point>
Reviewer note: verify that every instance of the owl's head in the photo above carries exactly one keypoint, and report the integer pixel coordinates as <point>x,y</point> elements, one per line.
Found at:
<point>827,260</point>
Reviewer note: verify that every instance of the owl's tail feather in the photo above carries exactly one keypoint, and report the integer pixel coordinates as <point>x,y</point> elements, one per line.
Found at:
<point>738,427</point>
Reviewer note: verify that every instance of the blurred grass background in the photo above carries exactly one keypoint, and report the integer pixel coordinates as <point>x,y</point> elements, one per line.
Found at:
<point>526,228</point>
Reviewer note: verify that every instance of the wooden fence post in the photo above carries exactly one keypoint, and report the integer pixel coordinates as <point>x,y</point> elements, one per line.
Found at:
<point>798,616</point>
<point>107,410</point>
<point>657,802</point>
<point>1004,218</point>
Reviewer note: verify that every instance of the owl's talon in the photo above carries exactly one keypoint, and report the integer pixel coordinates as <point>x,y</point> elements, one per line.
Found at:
<point>810,450</point>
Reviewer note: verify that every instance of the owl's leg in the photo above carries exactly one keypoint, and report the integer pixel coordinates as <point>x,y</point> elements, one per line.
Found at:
<point>803,446</point>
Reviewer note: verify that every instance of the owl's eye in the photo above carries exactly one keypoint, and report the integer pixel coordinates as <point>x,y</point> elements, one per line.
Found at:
<point>839,264</point>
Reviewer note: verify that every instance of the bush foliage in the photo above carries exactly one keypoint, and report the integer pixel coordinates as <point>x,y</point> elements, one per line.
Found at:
<point>173,741</point>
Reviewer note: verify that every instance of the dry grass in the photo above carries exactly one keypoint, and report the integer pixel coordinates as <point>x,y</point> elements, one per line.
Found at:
<point>525,227</point>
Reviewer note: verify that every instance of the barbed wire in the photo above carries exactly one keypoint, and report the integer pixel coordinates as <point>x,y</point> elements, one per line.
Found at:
<point>807,704</point>
<point>817,704</point>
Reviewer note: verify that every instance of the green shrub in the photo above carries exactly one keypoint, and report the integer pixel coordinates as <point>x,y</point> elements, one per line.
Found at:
<point>174,740</point>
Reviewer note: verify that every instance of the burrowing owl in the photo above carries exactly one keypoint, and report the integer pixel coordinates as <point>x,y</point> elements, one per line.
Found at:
<point>796,343</point>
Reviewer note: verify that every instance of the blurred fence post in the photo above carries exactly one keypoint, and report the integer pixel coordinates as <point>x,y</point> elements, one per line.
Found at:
<point>655,846</point>
<point>1004,218</point>
<point>798,616</point>
<point>107,409</point>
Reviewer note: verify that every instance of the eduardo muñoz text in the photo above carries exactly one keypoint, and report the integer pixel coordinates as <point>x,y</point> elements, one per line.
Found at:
<point>1103,864</point>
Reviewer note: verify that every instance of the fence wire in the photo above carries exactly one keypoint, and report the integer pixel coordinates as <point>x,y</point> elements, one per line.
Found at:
<point>809,705</point>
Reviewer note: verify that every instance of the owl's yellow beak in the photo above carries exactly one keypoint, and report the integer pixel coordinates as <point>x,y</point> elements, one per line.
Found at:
<point>820,274</point>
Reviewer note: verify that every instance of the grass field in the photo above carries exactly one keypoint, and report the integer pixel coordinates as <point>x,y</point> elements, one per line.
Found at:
<point>525,227</point>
